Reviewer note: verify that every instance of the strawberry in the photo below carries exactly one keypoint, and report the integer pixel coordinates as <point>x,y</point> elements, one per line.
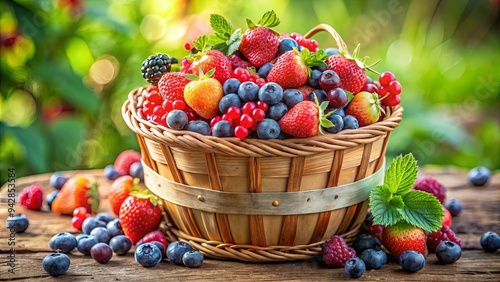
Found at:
<point>207,60</point>
<point>305,90</point>
<point>140,214</point>
<point>403,236</point>
<point>79,191</point>
<point>447,217</point>
<point>365,107</point>
<point>350,70</point>
<point>125,159</point>
<point>203,94</point>
<point>172,85</point>
<point>119,191</point>
<point>156,235</point>
<point>32,197</point>
<point>291,69</point>
<point>305,119</point>
<point>259,44</point>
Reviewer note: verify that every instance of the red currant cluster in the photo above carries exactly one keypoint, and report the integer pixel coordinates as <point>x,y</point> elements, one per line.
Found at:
<point>243,75</point>
<point>310,44</point>
<point>156,109</point>
<point>79,215</point>
<point>387,87</point>
<point>245,119</point>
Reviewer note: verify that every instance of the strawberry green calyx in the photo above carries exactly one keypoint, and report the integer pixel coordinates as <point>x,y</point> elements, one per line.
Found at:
<point>360,62</point>
<point>94,197</point>
<point>323,121</point>
<point>312,59</point>
<point>269,19</point>
<point>395,201</point>
<point>145,194</point>
<point>201,75</point>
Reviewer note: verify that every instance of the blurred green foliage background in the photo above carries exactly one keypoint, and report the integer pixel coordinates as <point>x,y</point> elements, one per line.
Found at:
<point>68,65</point>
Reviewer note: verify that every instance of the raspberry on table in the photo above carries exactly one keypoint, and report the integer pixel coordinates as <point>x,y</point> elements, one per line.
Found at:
<point>443,234</point>
<point>431,185</point>
<point>336,252</point>
<point>32,197</point>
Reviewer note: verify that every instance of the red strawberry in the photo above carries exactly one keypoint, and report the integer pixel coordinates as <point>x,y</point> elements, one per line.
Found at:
<point>365,107</point>
<point>350,70</point>
<point>156,235</point>
<point>401,237</point>
<point>304,119</point>
<point>203,94</point>
<point>140,214</point>
<point>32,197</point>
<point>305,90</point>
<point>207,60</point>
<point>172,85</point>
<point>78,191</point>
<point>119,191</point>
<point>125,159</point>
<point>259,44</point>
<point>291,69</point>
<point>446,218</point>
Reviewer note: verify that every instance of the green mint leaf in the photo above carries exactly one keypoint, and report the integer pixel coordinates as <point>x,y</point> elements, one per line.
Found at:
<point>401,175</point>
<point>269,19</point>
<point>202,42</point>
<point>397,202</point>
<point>423,210</point>
<point>384,212</point>
<point>233,43</point>
<point>220,25</point>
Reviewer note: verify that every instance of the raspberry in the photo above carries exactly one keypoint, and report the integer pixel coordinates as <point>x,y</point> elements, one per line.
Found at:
<point>32,197</point>
<point>336,252</point>
<point>237,62</point>
<point>443,234</point>
<point>430,185</point>
<point>125,159</point>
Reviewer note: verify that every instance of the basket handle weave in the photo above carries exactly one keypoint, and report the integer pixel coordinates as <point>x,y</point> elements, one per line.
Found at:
<point>324,27</point>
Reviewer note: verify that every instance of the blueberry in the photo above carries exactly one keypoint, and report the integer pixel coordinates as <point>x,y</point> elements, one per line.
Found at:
<point>292,97</point>
<point>176,250</point>
<point>286,44</point>
<point>354,268</point>
<point>331,51</point>
<point>411,261</point>
<point>338,123</point>
<point>268,129</point>
<point>136,171</point>
<point>80,236</point>
<point>64,242</point>
<point>373,259</point>
<point>85,243</point>
<point>320,95</point>
<point>192,259</point>
<point>313,79</point>
<point>490,242</point>
<point>350,122</point>
<point>177,119</point>
<point>478,176</point>
<point>271,93</point>
<point>277,111</point>
<point>50,198</point>
<point>364,242</point>
<point>101,252</point>
<point>160,247</point>
<point>448,252</point>
<point>454,206</point>
<point>100,234</point>
<point>104,216</point>
<point>320,68</point>
<point>231,99</point>
<point>56,264</point>
<point>110,172</point>
<point>339,112</point>
<point>222,129</point>
<point>90,223</point>
<point>57,180</point>
<point>147,255</point>
<point>120,244</point>
<point>114,228</point>
<point>231,86</point>
<point>200,126</point>
<point>264,70</point>
<point>19,223</point>
<point>248,91</point>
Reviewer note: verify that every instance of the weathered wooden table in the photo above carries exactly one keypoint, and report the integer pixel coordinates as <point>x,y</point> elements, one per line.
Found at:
<point>481,213</point>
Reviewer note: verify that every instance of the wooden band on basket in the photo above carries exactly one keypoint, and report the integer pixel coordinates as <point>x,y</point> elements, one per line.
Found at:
<point>268,203</point>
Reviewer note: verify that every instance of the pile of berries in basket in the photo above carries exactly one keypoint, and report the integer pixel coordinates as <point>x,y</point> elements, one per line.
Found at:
<point>261,84</point>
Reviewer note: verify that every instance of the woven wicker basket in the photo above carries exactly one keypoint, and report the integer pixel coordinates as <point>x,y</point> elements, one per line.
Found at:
<point>262,200</point>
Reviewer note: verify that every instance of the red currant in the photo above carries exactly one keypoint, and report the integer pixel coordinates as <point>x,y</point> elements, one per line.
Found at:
<point>382,91</point>
<point>187,46</point>
<point>77,222</point>
<point>386,78</point>
<point>228,118</point>
<point>80,212</point>
<point>248,108</point>
<point>215,120</point>
<point>163,119</point>
<point>246,120</point>
<point>159,111</point>
<point>395,87</point>
<point>240,132</point>
<point>262,105</point>
<point>258,114</point>
<point>191,115</point>
<point>156,119</point>
<point>167,105</point>
<point>178,105</point>
<point>153,96</point>
<point>255,125</point>
<point>234,112</point>
<point>391,100</point>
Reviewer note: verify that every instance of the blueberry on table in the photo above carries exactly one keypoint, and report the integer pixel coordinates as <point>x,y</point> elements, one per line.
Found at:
<point>454,206</point>
<point>18,222</point>
<point>148,255</point>
<point>104,216</point>
<point>110,172</point>
<point>490,242</point>
<point>478,176</point>
<point>101,234</point>
<point>63,241</point>
<point>176,250</point>
<point>120,244</point>
<point>101,252</point>
<point>85,243</point>
<point>90,223</point>
<point>364,242</point>
<point>57,180</point>
<point>373,259</point>
<point>50,198</point>
<point>114,227</point>
<point>192,259</point>
<point>448,252</point>
<point>411,261</point>
<point>354,268</point>
<point>56,264</point>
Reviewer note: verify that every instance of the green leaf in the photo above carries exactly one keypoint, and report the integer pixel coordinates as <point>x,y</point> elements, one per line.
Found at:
<point>191,76</point>
<point>233,43</point>
<point>269,19</point>
<point>401,175</point>
<point>423,210</point>
<point>250,24</point>
<point>397,202</point>
<point>203,42</point>
<point>220,25</point>
<point>323,105</point>
<point>326,123</point>
<point>313,58</point>
<point>383,210</point>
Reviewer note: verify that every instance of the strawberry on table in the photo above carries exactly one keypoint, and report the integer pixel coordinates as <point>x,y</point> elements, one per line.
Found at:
<point>125,159</point>
<point>305,119</point>
<point>365,107</point>
<point>403,236</point>
<point>79,191</point>
<point>203,94</point>
<point>32,197</point>
<point>119,191</point>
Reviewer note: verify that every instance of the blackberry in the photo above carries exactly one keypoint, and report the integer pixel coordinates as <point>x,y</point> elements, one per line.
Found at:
<point>154,67</point>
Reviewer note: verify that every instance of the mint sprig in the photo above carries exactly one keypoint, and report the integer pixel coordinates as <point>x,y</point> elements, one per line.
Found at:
<point>395,201</point>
